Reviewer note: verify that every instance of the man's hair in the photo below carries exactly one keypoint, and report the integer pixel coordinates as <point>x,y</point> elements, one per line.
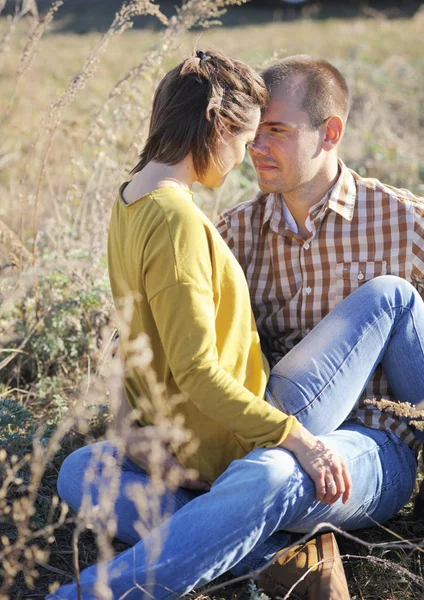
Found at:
<point>326,91</point>
<point>202,96</point>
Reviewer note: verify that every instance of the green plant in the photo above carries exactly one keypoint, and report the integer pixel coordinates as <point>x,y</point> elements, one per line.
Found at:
<point>58,338</point>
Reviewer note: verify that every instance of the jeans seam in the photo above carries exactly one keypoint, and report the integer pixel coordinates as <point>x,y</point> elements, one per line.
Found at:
<point>413,324</point>
<point>277,400</point>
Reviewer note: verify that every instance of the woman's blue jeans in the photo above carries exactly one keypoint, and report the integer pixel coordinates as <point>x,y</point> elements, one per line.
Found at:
<point>246,516</point>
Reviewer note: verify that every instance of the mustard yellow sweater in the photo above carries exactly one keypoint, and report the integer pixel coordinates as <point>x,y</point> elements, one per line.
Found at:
<point>191,298</point>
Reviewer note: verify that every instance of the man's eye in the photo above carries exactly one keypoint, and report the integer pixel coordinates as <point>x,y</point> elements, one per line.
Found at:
<point>278,130</point>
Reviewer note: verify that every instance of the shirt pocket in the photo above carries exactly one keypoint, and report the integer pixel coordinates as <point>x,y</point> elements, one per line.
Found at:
<point>349,276</point>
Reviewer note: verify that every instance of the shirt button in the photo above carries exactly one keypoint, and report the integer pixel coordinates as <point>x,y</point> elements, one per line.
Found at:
<point>360,276</point>
<point>306,246</point>
<point>308,290</point>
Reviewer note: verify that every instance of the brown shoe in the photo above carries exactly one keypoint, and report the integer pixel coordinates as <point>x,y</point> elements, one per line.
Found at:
<point>326,581</point>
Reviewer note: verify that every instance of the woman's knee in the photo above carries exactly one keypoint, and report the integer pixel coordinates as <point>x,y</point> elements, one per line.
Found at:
<point>72,472</point>
<point>269,470</point>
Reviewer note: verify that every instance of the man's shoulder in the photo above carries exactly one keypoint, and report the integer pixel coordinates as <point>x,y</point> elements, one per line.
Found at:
<point>389,192</point>
<point>243,209</point>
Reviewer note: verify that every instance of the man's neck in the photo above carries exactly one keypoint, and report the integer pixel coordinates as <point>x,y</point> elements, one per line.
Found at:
<point>302,199</point>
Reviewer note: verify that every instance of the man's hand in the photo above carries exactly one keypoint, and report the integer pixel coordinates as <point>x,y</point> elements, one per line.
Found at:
<point>327,470</point>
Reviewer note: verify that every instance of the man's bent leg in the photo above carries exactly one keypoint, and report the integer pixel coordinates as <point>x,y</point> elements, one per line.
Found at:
<point>320,380</point>
<point>383,470</point>
<point>262,493</point>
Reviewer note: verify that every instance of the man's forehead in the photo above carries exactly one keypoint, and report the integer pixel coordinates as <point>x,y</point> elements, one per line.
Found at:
<point>285,104</point>
<point>293,90</point>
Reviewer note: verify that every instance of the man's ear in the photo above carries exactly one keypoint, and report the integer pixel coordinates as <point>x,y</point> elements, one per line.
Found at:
<point>334,128</point>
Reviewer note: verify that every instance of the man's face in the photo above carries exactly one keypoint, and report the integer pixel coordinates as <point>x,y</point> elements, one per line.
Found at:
<point>287,152</point>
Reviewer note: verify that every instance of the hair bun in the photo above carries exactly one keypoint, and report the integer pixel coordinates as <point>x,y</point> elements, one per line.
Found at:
<point>202,56</point>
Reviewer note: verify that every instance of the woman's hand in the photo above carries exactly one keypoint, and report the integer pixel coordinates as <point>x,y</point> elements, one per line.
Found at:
<point>327,470</point>
<point>144,448</point>
<point>148,446</point>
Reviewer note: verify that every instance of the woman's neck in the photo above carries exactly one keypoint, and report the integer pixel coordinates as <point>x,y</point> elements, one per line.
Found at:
<point>182,174</point>
<point>158,175</point>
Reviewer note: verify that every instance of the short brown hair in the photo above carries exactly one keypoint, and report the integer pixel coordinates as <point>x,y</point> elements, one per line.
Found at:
<point>326,94</point>
<point>194,102</point>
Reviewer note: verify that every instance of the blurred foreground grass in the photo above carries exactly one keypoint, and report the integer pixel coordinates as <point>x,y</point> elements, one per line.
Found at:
<point>56,192</point>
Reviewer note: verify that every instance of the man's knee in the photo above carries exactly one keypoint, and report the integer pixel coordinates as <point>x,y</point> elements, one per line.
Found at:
<point>397,290</point>
<point>267,469</point>
<point>391,284</point>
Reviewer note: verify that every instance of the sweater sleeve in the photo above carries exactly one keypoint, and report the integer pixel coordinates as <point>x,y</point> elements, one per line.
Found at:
<point>178,282</point>
<point>184,315</point>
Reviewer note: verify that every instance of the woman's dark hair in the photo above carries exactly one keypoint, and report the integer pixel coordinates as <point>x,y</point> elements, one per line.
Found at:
<point>194,102</point>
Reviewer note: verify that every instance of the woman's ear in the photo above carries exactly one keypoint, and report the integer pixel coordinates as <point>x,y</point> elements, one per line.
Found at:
<point>334,129</point>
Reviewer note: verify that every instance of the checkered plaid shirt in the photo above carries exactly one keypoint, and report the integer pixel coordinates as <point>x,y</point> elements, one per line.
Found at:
<point>359,230</point>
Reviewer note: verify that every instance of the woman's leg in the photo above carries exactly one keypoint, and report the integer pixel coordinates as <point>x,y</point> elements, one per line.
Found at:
<point>262,493</point>
<point>96,473</point>
<point>321,378</point>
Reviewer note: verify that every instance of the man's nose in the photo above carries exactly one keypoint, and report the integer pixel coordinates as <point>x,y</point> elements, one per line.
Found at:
<point>258,146</point>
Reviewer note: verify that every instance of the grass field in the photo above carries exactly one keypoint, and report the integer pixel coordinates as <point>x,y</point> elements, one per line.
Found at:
<point>73,114</point>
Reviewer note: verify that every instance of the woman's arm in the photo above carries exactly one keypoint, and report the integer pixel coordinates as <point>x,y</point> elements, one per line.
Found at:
<point>138,442</point>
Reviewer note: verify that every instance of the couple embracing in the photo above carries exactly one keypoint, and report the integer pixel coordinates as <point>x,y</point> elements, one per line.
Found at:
<point>278,326</point>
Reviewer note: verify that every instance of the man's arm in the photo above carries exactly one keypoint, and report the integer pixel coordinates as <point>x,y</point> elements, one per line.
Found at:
<point>224,229</point>
<point>417,274</point>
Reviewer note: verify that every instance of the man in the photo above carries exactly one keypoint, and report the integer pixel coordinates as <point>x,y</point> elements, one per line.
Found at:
<point>317,231</point>
<point>314,227</point>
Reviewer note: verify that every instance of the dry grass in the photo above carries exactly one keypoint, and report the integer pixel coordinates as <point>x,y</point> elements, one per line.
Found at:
<point>74,111</point>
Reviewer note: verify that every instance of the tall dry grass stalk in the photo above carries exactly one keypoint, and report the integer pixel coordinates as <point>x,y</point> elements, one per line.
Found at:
<point>122,21</point>
<point>69,175</point>
<point>28,547</point>
<point>30,49</point>
<point>25,546</point>
<point>22,8</point>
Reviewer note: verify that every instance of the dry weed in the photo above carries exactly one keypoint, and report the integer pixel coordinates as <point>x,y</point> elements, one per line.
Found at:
<point>76,145</point>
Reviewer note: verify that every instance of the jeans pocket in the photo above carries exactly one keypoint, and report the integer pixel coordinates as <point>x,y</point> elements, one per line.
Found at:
<point>351,275</point>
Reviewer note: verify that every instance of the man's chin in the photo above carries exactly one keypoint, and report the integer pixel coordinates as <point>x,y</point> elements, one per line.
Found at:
<point>269,187</point>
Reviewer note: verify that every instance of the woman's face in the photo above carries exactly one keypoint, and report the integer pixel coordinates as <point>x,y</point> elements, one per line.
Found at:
<point>231,151</point>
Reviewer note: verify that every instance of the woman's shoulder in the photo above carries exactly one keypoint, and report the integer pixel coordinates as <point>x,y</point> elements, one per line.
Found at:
<point>177,207</point>
<point>172,196</point>
<point>169,209</point>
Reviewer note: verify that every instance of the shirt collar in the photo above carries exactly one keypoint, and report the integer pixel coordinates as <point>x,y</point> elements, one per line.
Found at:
<point>341,199</point>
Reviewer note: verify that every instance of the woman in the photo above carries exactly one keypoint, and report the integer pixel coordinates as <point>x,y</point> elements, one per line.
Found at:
<point>190,296</point>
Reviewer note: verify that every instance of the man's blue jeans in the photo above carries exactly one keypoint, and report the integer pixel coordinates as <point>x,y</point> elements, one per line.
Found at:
<point>245,517</point>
